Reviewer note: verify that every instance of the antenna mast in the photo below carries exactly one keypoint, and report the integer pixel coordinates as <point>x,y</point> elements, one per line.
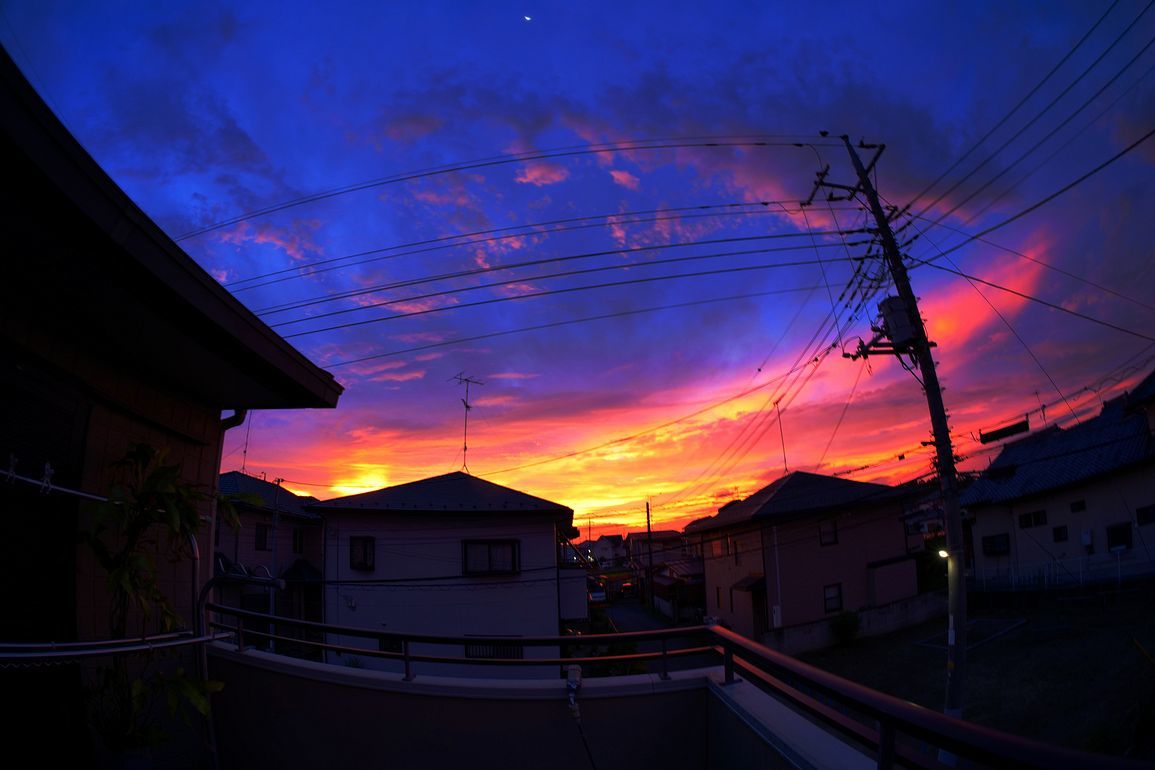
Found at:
<point>466,381</point>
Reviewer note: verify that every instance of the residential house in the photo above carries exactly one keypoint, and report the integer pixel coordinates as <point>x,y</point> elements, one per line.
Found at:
<point>657,547</point>
<point>452,555</point>
<point>1070,505</point>
<point>277,538</point>
<point>802,550</point>
<point>680,589</point>
<point>610,551</point>
<point>112,336</point>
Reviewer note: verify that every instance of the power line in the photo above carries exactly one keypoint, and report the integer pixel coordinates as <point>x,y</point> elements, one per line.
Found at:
<point>485,270</point>
<point>554,292</point>
<point>473,165</point>
<point>302,269</point>
<point>1042,112</point>
<point>1039,301</point>
<point>555,324</point>
<point>1016,108</point>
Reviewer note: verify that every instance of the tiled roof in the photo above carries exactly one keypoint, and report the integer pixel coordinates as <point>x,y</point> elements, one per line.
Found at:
<point>273,497</point>
<point>798,494</point>
<point>457,491</point>
<point>1053,458</point>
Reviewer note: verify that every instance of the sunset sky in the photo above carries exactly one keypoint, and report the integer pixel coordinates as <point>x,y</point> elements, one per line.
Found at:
<point>592,209</point>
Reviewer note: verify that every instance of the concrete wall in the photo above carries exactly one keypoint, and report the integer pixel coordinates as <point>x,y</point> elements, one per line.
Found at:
<point>1036,558</point>
<point>872,622</point>
<point>277,713</point>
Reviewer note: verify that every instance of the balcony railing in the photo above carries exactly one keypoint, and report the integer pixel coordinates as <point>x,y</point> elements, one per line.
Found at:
<point>895,732</point>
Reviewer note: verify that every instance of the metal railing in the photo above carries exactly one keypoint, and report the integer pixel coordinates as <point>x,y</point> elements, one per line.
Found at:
<point>893,731</point>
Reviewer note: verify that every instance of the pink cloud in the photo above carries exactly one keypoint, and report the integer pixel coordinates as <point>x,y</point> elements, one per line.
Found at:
<point>625,179</point>
<point>416,374</point>
<point>513,376</point>
<point>541,173</point>
<point>296,241</point>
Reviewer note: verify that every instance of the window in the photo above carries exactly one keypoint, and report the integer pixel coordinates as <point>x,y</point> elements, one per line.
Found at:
<point>1060,534</point>
<point>500,650</point>
<point>1145,515</point>
<point>1119,536</point>
<point>997,545</point>
<point>731,601</point>
<point>828,532</point>
<point>262,538</point>
<point>390,645</point>
<point>298,540</point>
<point>1078,506</point>
<point>361,552</point>
<point>832,597</point>
<point>491,557</point>
<point>1032,519</point>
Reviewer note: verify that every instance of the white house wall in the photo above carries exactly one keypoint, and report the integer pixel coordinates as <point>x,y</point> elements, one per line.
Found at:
<point>422,588</point>
<point>1035,558</point>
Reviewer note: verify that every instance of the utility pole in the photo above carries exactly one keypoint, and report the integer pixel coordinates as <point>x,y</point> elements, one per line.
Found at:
<point>466,381</point>
<point>650,548</point>
<point>903,326</point>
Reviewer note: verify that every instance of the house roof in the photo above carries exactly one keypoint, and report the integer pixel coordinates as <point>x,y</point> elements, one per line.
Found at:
<point>1117,438</point>
<point>458,492</point>
<point>273,497</point>
<point>657,534</point>
<point>798,494</point>
<point>91,275</point>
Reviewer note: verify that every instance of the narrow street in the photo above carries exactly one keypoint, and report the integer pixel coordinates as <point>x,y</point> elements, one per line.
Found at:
<point>634,615</point>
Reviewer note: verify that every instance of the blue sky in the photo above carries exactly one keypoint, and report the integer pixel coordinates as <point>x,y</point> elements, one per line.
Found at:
<point>205,113</point>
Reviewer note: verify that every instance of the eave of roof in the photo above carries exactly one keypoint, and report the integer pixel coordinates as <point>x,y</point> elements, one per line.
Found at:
<point>135,289</point>
<point>1115,440</point>
<point>455,492</point>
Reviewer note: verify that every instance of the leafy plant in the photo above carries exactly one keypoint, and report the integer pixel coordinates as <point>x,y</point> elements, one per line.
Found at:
<point>151,509</point>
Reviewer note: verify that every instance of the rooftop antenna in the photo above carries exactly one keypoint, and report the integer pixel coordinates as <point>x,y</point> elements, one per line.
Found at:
<point>466,381</point>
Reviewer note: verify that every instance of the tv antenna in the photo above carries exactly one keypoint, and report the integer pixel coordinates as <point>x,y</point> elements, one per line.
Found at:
<point>466,381</point>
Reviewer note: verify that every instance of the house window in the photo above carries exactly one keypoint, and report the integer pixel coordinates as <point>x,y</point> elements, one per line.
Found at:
<point>832,597</point>
<point>262,538</point>
<point>1060,534</point>
<point>718,597</point>
<point>1078,506</point>
<point>1119,536</point>
<point>715,548</point>
<point>493,649</point>
<point>828,532</point>
<point>731,601</point>
<point>1145,515</point>
<point>491,557</point>
<point>997,545</point>
<point>298,540</point>
<point>361,552</point>
<point>1032,519</point>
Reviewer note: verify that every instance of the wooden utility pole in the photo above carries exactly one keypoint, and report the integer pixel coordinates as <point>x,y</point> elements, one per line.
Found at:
<point>650,548</point>
<point>903,327</point>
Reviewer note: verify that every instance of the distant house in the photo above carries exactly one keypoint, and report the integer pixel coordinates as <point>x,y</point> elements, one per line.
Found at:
<point>276,538</point>
<point>610,551</point>
<point>112,336</point>
<point>802,550</point>
<point>451,555</point>
<point>680,589</point>
<point>661,546</point>
<point>1070,505</point>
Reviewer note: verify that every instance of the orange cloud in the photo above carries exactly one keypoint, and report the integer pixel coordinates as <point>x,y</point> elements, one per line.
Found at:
<point>541,173</point>
<point>625,179</point>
